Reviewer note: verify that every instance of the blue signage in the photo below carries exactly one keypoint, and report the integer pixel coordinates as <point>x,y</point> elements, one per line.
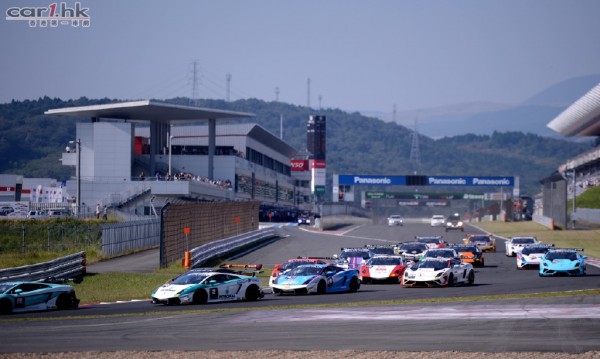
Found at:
<point>426,181</point>
<point>372,180</point>
<point>470,181</point>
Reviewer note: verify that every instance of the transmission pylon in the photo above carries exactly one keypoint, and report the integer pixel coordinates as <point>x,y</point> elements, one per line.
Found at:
<point>194,83</point>
<point>415,154</point>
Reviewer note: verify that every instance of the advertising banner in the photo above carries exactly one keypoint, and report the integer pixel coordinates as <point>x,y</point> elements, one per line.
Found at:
<point>299,165</point>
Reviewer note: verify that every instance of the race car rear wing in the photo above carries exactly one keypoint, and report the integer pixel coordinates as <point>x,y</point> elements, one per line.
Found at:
<point>380,245</point>
<point>247,269</point>
<point>569,249</point>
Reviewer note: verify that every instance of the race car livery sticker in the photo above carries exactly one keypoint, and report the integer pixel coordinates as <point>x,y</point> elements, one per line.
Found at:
<point>213,293</point>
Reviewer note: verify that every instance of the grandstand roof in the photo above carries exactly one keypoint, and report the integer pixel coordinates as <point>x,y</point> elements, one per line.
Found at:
<point>582,118</point>
<point>147,110</point>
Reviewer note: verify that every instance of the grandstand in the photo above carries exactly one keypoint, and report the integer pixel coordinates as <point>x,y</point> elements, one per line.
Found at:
<point>139,155</point>
<point>581,119</point>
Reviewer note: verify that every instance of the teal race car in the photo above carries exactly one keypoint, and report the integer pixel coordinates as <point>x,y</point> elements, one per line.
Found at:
<point>17,297</point>
<point>563,261</point>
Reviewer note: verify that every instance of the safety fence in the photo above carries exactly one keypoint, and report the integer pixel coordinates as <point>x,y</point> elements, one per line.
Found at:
<point>119,238</point>
<point>71,267</point>
<point>54,235</point>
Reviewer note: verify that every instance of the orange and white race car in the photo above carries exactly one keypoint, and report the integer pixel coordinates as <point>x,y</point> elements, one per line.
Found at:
<point>382,268</point>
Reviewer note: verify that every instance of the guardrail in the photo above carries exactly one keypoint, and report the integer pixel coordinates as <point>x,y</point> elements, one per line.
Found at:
<point>71,267</point>
<point>206,252</point>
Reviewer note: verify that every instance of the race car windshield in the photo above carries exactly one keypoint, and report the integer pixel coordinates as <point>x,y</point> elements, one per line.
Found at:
<point>382,250</point>
<point>413,247</point>
<point>428,240</point>
<point>572,256</point>
<point>355,253</point>
<point>523,240</point>
<point>437,265</point>
<point>385,261</point>
<point>453,218</point>
<point>292,265</point>
<point>479,239</point>
<point>190,278</point>
<point>306,271</point>
<point>471,249</point>
<point>529,250</point>
<point>438,254</point>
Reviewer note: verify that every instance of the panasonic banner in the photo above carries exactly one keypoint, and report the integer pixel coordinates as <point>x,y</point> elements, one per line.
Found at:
<point>343,184</point>
<point>470,181</point>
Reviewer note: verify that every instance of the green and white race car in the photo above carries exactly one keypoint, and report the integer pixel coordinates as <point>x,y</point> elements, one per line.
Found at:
<point>200,286</point>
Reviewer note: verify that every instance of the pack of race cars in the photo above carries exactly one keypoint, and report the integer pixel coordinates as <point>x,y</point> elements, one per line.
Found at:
<point>425,262</point>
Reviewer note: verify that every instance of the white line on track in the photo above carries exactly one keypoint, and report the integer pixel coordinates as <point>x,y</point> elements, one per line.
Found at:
<point>471,312</point>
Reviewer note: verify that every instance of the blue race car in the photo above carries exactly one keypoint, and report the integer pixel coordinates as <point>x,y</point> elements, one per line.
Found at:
<point>317,278</point>
<point>565,261</point>
<point>35,296</point>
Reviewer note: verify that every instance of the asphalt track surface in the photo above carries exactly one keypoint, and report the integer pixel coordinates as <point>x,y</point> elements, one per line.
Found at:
<point>569,324</point>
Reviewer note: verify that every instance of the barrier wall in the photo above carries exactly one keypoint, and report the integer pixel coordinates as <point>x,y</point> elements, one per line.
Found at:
<point>190,225</point>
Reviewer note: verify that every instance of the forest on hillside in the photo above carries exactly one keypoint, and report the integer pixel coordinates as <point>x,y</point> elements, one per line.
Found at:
<point>31,143</point>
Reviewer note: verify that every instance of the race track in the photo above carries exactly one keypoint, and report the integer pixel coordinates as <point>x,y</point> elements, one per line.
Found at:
<point>531,322</point>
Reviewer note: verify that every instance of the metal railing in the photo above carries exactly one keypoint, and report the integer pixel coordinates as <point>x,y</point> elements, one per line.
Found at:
<point>119,238</point>
<point>71,267</point>
<point>206,252</point>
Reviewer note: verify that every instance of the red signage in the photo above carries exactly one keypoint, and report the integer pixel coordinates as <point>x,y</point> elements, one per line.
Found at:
<point>317,164</point>
<point>299,165</point>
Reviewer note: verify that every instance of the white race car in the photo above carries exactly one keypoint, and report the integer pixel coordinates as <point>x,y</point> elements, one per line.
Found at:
<point>437,220</point>
<point>515,244</point>
<point>395,220</point>
<point>200,286</point>
<point>529,256</point>
<point>444,272</point>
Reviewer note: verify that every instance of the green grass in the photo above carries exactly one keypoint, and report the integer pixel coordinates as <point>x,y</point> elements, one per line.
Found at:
<point>587,239</point>
<point>588,199</point>
<point>113,287</point>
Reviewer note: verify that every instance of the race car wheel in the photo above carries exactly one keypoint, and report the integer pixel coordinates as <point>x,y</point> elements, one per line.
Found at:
<point>321,287</point>
<point>471,278</point>
<point>63,302</point>
<point>5,306</point>
<point>354,284</point>
<point>252,293</point>
<point>366,281</point>
<point>450,280</point>
<point>276,291</point>
<point>200,297</point>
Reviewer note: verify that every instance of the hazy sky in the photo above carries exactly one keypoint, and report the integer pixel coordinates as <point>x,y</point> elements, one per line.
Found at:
<point>359,55</point>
